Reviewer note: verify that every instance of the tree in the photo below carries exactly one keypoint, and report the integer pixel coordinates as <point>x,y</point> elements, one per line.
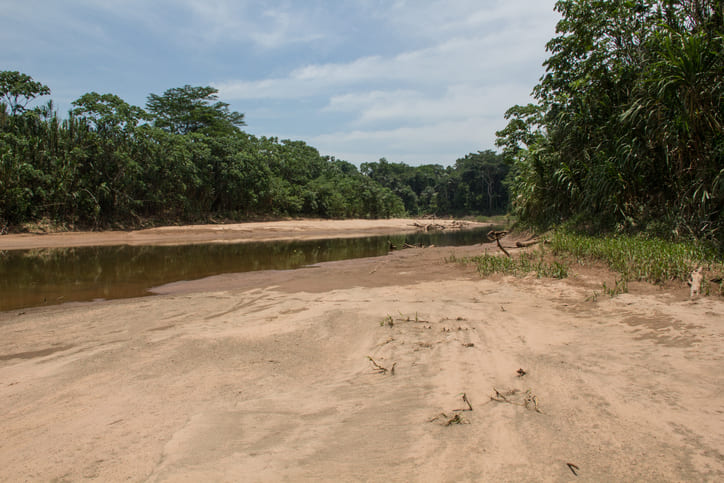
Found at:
<point>627,131</point>
<point>108,111</point>
<point>19,89</point>
<point>481,178</point>
<point>188,109</point>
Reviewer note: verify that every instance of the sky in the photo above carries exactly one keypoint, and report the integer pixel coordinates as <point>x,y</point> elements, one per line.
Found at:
<point>413,81</point>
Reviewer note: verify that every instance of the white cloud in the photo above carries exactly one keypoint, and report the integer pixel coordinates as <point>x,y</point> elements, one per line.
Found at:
<point>473,59</point>
<point>457,102</point>
<point>412,80</point>
<point>438,142</point>
<point>446,96</point>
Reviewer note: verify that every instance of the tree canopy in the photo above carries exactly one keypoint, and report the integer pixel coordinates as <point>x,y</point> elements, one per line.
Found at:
<point>185,158</point>
<point>18,89</point>
<point>189,109</point>
<point>627,131</point>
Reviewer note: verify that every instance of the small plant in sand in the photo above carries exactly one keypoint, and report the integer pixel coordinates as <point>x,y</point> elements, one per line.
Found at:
<point>619,287</point>
<point>593,298</point>
<point>520,266</point>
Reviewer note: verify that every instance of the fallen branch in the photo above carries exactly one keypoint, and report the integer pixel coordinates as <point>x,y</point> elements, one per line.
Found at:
<point>501,247</point>
<point>467,401</point>
<point>448,420</point>
<point>497,235</point>
<point>529,399</point>
<point>429,226</point>
<point>381,369</point>
<point>524,244</point>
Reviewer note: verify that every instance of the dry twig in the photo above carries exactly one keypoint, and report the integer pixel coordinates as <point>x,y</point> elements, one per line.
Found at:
<point>448,420</point>
<point>529,399</point>
<point>467,401</point>
<point>381,369</point>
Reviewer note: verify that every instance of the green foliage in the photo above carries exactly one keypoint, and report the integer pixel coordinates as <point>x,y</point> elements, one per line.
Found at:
<point>520,266</point>
<point>619,287</point>
<point>106,165</point>
<point>640,257</point>
<point>474,186</point>
<point>17,89</point>
<point>628,130</point>
<point>190,109</point>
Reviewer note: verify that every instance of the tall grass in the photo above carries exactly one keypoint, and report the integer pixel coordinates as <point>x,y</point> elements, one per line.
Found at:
<point>520,266</point>
<point>637,258</point>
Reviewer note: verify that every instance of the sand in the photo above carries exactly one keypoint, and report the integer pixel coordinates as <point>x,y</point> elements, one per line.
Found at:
<point>266,376</point>
<point>296,229</point>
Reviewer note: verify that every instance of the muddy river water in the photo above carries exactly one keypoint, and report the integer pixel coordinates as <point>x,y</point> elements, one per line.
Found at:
<point>38,277</point>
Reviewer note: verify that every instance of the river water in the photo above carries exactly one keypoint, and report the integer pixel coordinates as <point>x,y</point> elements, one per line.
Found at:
<point>30,278</point>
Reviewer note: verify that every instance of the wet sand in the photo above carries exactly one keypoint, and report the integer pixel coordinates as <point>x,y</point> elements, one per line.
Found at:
<point>266,376</point>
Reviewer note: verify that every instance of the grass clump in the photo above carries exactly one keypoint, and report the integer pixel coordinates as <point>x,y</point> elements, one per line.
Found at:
<point>638,258</point>
<point>520,266</point>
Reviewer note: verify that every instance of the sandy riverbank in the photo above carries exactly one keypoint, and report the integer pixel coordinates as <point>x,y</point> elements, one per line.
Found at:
<point>297,229</point>
<point>265,376</point>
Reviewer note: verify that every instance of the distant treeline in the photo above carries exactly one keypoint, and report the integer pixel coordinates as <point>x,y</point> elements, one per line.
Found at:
<point>185,158</point>
<point>627,132</point>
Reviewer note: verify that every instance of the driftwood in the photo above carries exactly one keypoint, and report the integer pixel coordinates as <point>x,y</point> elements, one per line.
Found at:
<point>429,226</point>
<point>497,235</point>
<point>494,235</point>
<point>696,278</point>
<point>523,244</point>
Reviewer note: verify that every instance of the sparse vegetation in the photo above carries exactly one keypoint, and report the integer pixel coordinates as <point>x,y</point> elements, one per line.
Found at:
<point>639,258</point>
<point>520,266</point>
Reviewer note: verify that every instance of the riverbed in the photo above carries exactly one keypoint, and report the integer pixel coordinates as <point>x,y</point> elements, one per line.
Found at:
<point>355,370</point>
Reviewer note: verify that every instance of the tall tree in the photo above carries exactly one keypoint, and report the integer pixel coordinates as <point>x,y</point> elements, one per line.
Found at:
<point>108,111</point>
<point>189,109</point>
<point>19,89</point>
<point>627,129</point>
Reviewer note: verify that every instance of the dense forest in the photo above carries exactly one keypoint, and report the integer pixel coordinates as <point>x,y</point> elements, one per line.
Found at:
<point>627,131</point>
<point>184,157</point>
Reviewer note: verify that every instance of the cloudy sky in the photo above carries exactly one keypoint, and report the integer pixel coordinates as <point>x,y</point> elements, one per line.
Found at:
<point>416,81</point>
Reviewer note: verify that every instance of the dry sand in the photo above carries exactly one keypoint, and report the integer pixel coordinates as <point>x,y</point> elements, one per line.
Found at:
<point>297,229</point>
<point>265,376</point>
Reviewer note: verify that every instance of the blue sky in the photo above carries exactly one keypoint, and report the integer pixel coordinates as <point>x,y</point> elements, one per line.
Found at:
<point>415,81</point>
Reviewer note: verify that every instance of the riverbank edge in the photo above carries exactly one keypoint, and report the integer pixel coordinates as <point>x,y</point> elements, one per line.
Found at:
<point>297,229</point>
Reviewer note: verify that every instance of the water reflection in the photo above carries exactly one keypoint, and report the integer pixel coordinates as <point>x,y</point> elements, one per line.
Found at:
<point>50,276</point>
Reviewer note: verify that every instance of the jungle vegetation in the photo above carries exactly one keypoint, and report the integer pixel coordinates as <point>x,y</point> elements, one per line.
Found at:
<point>184,158</point>
<point>626,133</point>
